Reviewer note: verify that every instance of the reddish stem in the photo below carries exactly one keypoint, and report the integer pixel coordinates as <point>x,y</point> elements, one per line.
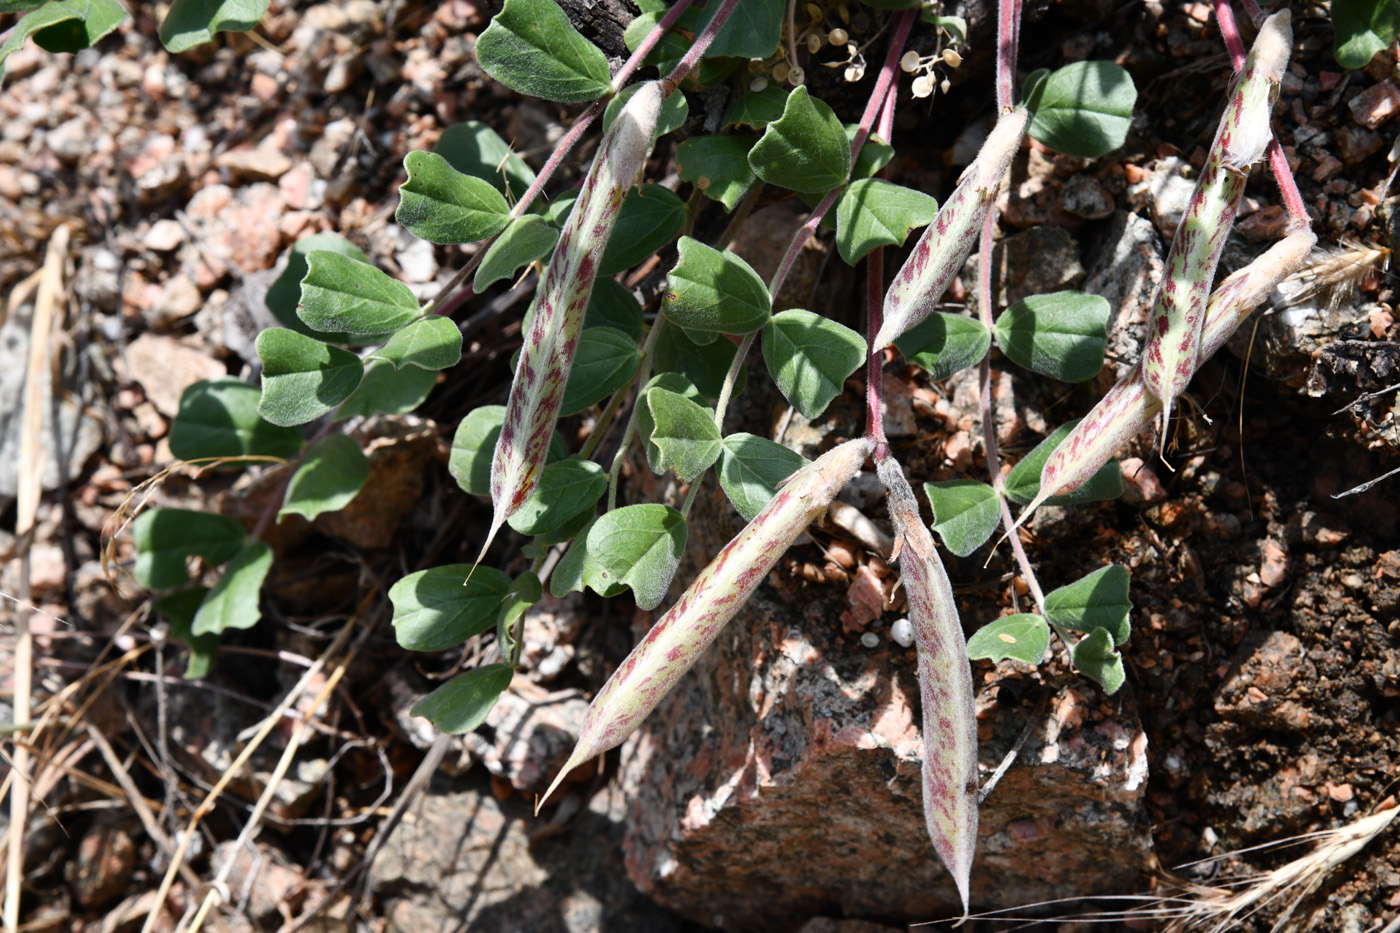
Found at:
<point>699,47</point>
<point>649,43</point>
<point>875,308</point>
<point>1008,37</point>
<point>1283,173</point>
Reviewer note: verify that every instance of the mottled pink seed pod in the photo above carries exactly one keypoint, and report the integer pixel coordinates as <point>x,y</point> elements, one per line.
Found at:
<point>687,629</point>
<point>548,353</point>
<point>946,243</point>
<point>1129,408</point>
<point>945,685</point>
<point>1173,348</point>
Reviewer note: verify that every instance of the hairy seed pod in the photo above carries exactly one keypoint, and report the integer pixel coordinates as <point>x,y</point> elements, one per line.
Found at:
<point>946,243</point>
<point>548,353</point>
<point>1173,347</point>
<point>1129,407</point>
<point>711,600</point>
<point>945,685</point>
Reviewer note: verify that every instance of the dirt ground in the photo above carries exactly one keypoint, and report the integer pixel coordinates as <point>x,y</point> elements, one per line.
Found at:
<point>1265,658</point>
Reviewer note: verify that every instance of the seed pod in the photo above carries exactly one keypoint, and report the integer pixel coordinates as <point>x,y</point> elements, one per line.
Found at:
<point>548,353</point>
<point>945,685</point>
<point>1129,408</point>
<point>946,242</point>
<point>711,600</point>
<point>1173,347</point>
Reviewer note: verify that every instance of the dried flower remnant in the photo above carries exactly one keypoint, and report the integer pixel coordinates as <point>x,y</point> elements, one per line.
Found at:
<point>945,685</point>
<point>548,354</point>
<point>1173,348</point>
<point>711,600</point>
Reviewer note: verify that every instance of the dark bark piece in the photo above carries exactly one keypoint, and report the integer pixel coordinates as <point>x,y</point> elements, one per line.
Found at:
<point>602,22</point>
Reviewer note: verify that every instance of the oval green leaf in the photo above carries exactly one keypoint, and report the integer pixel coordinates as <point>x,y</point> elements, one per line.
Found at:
<point>703,365</point>
<point>1098,601</point>
<point>805,149</point>
<point>810,358</point>
<point>943,344</point>
<point>441,205</point>
<point>528,238</point>
<point>718,166</point>
<point>566,489</point>
<point>389,391</point>
<point>331,476</point>
<point>1023,637</point>
<point>285,293</point>
<point>219,418</point>
<point>1363,28</point>
<point>651,216</point>
<point>638,546</point>
<point>434,610</point>
<point>1023,482</point>
<point>194,22</point>
<point>166,538</point>
<point>433,342</point>
<point>531,47</point>
<point>965,513</point>
<point>233,601</point>
<point>463,703</point>
<point>302,378</point>
<point>1061,335</point>
<point>1084,109</point>
<point>1095,656</point>
<point>606,360</point>
<point>342,294</point>
<point>475,149</point>
<point>683,432</point>
<point>751,468</point>
<point>711,290</point>
<point>612,305</point>
<point>873,212</point>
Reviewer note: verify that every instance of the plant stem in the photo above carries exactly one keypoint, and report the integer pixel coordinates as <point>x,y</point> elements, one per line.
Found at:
<point>875,309</point>
<point>730,378</point>
<point>649,43</point>
<point>1008,36</point>
<point>1283,173</point>
<point>698,48</point>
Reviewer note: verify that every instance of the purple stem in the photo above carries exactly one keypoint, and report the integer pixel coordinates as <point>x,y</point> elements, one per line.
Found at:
<point>1278,161</point>
<point>649,43</point>
<point>1008,37</point>
<point>698,48</point>
<point>875,307</point>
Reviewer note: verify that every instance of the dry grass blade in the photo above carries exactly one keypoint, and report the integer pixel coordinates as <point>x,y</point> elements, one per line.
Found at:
<point>31,471</point>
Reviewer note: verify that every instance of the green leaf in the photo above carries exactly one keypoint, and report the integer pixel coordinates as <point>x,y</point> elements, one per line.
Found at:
<point>805,150</point>
<point>62,26</point>
<point>475,149</point>
<point>637,546</point>
<point>943,344</point>
<point>1023,482</point>
<point>338,293</point>
<point>683,432</point>
<point>233,602</point>
<point>874,155</point>
<point>528,238</point>
<point>1096,657</point>
<point>285,294</point>
<point>1098,601</point>
<point>710,290</point>
<point>810,358</point>
<point>219,418</point>
<point>433,342</point>
<point>667,53</point>
<point>606,361</point>
<point>955,26</point>
<point>670,381</point>
<point>612,305</point>
<point>441,205</point>
<point>566,489</point>
<point>965,513</point>
<point>752,30</point>
<point>557,211</point>
<point>1085,109</point>
<point>1034,88</point>
<point>718,166</point>
<point>194,22</point>
<point>473,446</point>
<point>333,473</point>
<point>524,593</point>
<point>180,608</point>
<point>1023,637</point>
<point>756,109</point>
<point>531,47</point>
<point>575,569</point>
<point>650,218</point>
<point>674,111</point>
<point>386,390</point>
<point>303,378</point>
<point>463,703</point>
<point>704,365</point>
<point>1363,28</point>
<point>166,538</point>
<point>440,608</point>
<point>750,469</point>
<point>873,212</point>
<point>1061,335</point>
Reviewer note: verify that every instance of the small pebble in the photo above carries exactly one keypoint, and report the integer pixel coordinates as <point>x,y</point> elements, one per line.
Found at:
<point>902,633</point>
<point>870,640</point>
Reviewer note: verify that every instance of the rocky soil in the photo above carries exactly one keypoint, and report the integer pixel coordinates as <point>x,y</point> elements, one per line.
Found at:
<point>777,788</point>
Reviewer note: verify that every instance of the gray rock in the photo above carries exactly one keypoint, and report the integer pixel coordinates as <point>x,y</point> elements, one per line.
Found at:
<point>69,440</point>
<point>1169,191</point>
<point>1126,270</point>
<point>1287,341</point>
<point>1085,196</point>
<point>470,861</point>
<point>1032,262</point>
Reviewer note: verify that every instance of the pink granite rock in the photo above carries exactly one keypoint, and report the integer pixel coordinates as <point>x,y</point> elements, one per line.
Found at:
<point>780,780</point>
